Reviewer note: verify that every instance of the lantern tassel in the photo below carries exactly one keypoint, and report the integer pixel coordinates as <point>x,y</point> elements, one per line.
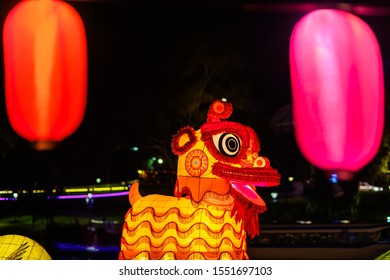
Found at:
<point>248,213</point>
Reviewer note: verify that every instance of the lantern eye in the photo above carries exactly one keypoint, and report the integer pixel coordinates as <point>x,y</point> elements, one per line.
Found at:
<point>227,144</point>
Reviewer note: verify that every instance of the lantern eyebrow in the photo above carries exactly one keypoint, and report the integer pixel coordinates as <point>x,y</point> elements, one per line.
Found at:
<point>210,129</point>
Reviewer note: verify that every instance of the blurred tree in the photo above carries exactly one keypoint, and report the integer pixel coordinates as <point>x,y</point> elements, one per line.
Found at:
<point>211,68</point>
<point>199,71</point>
<point>377,171</point>
<point>8,144</point>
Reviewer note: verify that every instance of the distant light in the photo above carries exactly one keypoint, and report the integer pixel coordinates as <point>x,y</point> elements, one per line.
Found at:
<point>5,192</point>
<point>388,219</point>
<point>134,149</point>
<point>95,221</point>
<point>89,199</point>
<point>364,186</point>
<point>160,161</point>
<point>343,221</point>
<point>101,195</point>
<point>119,188</point>
<point>291,178</point>
<point>224,99</point>
<point>7,198</point>
<point>333,178</point>
<point>378,189</point>
<point>274,195</point>
<point>154,158</point>
<point>101,189</point>
<point>15,195</point>
<point>73,190</point>
<point>98,180</point>
<point>304,222</point>
<point>92,249</point>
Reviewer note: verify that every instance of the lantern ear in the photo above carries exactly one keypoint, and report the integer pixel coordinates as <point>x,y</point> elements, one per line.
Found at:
<point>184,140</point>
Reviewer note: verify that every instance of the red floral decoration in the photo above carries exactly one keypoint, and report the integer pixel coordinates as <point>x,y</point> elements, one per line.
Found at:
<point>219,110</point>
<point>175,143</point>
<point>196,163</point>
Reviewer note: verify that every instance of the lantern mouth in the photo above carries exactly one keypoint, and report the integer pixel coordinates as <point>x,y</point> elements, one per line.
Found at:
<point>244,180</point>
<point>258,176</point>
<point>44,145</point>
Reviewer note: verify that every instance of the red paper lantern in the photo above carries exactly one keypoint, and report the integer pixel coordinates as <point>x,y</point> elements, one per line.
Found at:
<point>45,63</point>
<point>337,90</point>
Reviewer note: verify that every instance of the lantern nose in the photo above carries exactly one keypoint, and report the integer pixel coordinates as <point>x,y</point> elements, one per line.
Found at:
<point>254,160</point>
<point>261,162</point>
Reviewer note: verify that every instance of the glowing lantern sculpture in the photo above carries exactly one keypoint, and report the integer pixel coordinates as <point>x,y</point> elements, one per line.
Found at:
<point>384,256</point>
<point>215,203</point>
<point>45,63</point>
<point>18,247</point>
<point>337,90</point>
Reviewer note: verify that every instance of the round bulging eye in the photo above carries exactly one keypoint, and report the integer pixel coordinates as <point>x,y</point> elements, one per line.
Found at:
<point>227,143</point>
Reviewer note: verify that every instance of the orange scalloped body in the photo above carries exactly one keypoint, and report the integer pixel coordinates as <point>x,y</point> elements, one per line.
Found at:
<point>169,228</point>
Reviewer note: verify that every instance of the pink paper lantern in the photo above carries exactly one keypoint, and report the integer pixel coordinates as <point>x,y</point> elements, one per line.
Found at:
<point>337,91</point>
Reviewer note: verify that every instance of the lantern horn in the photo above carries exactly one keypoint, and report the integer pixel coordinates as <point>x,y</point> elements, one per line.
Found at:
<point>218,110</point>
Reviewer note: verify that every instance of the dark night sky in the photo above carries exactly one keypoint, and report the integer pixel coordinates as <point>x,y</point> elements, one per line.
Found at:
<point>130,50</point>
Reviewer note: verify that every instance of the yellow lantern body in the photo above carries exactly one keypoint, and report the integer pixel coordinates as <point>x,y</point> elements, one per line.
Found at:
<point>18,247</point>
<point>169,228</point>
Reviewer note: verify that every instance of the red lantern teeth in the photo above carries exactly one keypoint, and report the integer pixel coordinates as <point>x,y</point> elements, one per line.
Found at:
<point>45,63</point>
<point>259,176</point>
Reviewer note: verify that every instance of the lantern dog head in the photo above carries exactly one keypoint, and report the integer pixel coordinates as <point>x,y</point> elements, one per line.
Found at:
<point>215,203</point>
<point>222,157</point>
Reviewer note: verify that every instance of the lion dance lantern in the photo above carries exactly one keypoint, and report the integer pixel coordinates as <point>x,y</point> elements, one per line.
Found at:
<point>215,204</point>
